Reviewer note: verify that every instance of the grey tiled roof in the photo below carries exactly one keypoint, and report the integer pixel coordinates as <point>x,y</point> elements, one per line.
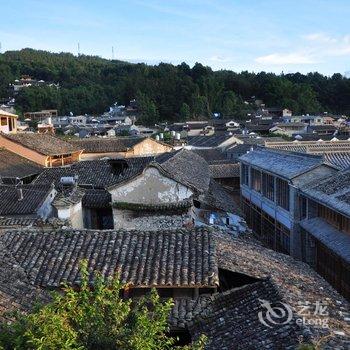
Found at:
<point>96,198</point>
<point>294,280</point>
<point>180,257</point>
<point>16,292</point>
<point>333,192</point>
<point>236,151</point>
<point>43,143</point>
<point>221,171</point>
<point>211,154</point>
<point>105,145</point>
<point>230,321</point>
<point>207,141</point>
<point>186,167</point>
<point>33,198</point>
<point>218,198</point>
<point>332,238</point>
<point>13,165</point>
<point>94,173</point>
<point>283,163</point>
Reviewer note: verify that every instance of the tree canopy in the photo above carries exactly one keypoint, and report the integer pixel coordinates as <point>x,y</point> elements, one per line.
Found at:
<point>94,317</point>
<point>89,84</point>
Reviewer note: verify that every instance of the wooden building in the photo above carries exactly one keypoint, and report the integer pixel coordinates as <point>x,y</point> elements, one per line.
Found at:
<point>8,122</point>
<point>43,149</point>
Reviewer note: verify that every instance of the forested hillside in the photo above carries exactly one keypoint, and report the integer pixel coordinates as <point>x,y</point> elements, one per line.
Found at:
<point>89,84</point>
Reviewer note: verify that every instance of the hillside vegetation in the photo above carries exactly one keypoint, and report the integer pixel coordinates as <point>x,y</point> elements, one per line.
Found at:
<point>89,84</point>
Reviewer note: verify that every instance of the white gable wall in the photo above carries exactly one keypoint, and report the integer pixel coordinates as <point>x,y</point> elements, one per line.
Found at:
<point>151,187</point>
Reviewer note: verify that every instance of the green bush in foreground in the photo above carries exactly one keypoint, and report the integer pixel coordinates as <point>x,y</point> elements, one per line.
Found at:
<point>94,318</point>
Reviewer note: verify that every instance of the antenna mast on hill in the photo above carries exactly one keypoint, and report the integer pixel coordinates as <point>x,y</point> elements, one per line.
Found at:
<point>112,52</point>
<point>78,49</point>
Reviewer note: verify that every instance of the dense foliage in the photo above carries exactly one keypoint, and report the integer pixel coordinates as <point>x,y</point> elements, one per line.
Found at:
<point>89,84</point>
<point>94,319</point>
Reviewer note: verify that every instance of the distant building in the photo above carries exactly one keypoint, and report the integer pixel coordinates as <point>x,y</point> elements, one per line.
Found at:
<point>41,115</point>
<point>289,129</point>
<point>97,148</point>
<point>27,81</point>
<point>8,122</point>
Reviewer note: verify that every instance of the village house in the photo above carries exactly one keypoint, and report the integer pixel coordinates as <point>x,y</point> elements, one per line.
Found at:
<point>8,122</point>
<point>217,282</point>
<point>43,149</point>
<point>270,181</point>
<point>170,189</point>
<point>289,129</point>
<point>97,148</point>
<point>41,116</point>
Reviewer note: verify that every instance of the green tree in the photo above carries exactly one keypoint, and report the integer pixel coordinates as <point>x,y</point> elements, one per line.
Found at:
<point>94,319</point>
<point>185,112</point>
<point>200,107</point>
<point>148,110</point>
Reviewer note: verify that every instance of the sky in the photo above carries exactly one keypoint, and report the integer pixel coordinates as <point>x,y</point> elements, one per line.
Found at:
<point>254,35</point>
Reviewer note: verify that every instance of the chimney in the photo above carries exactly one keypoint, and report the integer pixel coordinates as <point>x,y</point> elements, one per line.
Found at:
<point>20,194</point>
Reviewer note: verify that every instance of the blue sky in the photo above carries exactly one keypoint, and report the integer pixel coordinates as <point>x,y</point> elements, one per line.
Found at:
<point>254,35</point>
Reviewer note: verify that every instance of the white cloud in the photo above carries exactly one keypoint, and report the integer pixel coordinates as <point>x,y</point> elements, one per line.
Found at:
<point>285,58</point>
<point>319,37</point>
<point>315,48</point>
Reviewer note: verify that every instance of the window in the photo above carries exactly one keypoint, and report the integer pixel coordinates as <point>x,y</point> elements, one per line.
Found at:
<point>245,174</point>
<point>3,121</point>
<point>256,180</point>
<point>268,186</point>
<point>282,192</point>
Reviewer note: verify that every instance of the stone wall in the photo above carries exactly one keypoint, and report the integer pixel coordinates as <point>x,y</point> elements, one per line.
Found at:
<point>126,219</point>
